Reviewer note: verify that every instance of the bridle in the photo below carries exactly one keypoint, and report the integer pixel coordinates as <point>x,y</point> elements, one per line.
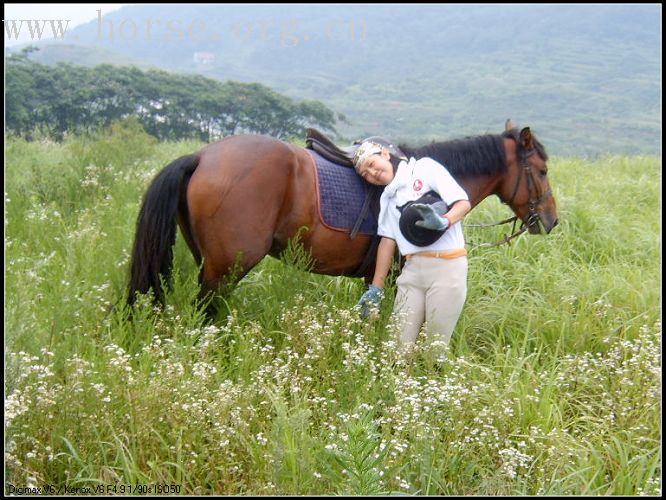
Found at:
<point>533,217</point>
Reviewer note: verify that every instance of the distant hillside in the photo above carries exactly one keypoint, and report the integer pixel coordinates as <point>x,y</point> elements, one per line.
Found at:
<point>587,78</point>
<point>84,55</point>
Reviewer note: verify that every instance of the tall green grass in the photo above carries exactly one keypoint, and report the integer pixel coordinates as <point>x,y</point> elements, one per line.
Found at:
<point>551,386</point>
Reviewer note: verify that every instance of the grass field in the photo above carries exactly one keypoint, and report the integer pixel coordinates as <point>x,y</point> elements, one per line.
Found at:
<point>552,385</point>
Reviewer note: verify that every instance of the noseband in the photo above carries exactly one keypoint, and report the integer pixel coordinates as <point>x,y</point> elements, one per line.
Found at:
<point>533,217</point>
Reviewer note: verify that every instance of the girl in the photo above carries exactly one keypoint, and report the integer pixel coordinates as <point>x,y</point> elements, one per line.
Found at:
<point>432,286</point>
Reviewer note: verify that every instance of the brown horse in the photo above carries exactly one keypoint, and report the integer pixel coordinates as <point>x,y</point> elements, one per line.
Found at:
<point>244,197</point>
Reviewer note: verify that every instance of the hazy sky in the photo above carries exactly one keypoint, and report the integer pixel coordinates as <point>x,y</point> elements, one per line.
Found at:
<point>76,13</point>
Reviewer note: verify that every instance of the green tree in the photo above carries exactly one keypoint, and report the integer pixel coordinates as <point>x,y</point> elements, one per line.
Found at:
<point>66,98</point>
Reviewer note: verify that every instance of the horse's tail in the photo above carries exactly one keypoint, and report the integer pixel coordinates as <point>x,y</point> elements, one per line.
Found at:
<point>152,255</point>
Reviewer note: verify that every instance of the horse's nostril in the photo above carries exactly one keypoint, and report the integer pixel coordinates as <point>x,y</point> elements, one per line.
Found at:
<point>556,222</point>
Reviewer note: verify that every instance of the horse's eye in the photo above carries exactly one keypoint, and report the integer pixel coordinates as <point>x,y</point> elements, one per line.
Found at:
<point>543,173</point>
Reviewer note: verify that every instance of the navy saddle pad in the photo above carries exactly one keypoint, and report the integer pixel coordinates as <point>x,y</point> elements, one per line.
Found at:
<point>341,193</point>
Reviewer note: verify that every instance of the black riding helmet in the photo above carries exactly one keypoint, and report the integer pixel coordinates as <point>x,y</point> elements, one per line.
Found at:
<point>416,235</point>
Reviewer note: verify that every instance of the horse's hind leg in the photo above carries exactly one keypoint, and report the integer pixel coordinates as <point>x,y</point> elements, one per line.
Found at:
<point>212,281</point>
<point>236,199</point>
<point>207,295</point>
<point>222,275</point>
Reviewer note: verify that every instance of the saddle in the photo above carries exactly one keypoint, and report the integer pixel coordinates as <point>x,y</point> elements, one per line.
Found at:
<point>322,145</point>
<point>317,141</point>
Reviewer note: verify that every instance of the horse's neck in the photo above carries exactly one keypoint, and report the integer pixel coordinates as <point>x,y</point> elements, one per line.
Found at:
<point>479,188</point>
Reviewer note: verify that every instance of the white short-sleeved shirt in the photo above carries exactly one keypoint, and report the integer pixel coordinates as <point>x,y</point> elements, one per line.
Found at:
<point>412,180</point>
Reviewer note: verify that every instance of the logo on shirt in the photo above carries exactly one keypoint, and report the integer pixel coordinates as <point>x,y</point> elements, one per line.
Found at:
<point>418,185</point>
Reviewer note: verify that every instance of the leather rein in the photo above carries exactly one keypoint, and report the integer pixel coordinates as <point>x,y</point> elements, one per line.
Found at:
<point>533,216</point>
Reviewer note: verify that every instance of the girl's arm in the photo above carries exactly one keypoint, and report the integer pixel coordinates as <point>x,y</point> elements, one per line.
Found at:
<point>458,210</point>
<point>385,254</point>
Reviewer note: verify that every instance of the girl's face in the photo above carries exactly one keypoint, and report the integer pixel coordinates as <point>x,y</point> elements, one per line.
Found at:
<point>377,169</point>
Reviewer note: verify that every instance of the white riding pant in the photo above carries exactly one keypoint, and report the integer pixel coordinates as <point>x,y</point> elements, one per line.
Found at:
<point>431,291</point>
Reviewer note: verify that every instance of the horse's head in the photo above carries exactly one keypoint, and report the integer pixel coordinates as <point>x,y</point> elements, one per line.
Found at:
<point>526,188</point>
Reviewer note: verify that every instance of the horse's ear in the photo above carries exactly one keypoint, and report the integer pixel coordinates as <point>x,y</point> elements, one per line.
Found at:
<point>526,138</point>
<point>508,125</point>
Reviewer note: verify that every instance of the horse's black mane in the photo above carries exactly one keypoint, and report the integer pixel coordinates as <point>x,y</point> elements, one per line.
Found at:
<point>471,156</point>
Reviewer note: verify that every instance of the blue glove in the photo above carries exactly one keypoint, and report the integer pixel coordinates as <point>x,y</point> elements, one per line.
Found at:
<point>431,217</point>
<point>370,299</point>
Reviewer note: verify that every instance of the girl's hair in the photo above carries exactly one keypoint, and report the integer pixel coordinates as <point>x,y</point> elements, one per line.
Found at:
<point>395,161</point>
